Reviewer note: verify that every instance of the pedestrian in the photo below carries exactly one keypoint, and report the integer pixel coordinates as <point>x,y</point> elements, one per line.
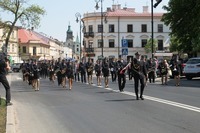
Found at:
<point>113,70</point>
<point>4,67</point>
<point>36,77</point>
<point>97,69</point>
<point>121,74</point>
<point>82,70</point>
<point>70,74</point>
<point>105,71</point>
<point>139,72</point>
<point>90,68</point>
<point>151,71</point>
<point>163,72</point>
<point>176,72</point>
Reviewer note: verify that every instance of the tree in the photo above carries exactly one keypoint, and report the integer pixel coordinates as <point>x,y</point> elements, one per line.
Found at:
<point>148,46</point>
<point>183,18</point>
<point>28,15</point>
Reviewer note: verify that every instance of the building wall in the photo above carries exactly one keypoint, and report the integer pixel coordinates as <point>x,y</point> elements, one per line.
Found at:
<point>120,31</point>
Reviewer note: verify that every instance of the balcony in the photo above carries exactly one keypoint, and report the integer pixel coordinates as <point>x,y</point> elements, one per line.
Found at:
<point>89,50</point>
<point>88,34</point>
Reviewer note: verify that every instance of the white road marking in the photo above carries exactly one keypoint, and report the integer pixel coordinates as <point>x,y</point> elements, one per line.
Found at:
<point>176,104</point>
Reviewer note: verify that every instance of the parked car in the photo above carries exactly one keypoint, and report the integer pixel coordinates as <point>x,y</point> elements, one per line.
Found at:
<point>192,68</point>
<point>16,67</point>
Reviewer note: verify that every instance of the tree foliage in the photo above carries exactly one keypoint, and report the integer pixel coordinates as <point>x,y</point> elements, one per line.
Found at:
<point>28,15</point>
<point>148,46</point>
<point>183,18</point>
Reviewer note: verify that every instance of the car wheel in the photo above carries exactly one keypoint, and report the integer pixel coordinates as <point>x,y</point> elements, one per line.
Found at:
<point>188,77</point>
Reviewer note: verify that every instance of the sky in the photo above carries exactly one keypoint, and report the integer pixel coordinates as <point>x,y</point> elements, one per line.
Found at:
<point>61,13</point>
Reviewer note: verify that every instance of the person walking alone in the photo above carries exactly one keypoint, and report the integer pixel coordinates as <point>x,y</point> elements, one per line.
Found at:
<point>4,67</point>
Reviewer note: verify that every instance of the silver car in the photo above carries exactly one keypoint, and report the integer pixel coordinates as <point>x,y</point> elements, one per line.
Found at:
<point>192,68</point>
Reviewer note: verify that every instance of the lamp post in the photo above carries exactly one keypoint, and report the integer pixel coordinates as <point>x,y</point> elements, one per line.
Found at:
<point>97,7</point>
<point>78,19</point>
<point>152,35</point>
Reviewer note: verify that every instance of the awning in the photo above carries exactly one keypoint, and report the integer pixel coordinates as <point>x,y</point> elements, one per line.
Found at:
<point>163,54</point>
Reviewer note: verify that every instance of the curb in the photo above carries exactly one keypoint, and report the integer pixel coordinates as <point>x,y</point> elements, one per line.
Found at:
<point>10,123</point>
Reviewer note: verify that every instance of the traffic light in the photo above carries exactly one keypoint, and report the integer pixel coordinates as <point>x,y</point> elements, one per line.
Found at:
<point>157,3</point>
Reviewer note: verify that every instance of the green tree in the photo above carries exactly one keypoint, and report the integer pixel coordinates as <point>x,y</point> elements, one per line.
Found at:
<point>183,18</point>
<point>20,10</point>
<point>148,46</point>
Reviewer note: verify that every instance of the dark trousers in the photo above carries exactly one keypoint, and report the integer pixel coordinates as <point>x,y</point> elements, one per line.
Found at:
<point>151,76</point>
<point>83,77</point>
<point>6,85</point>
<point>121,81</point>
<point>113,75</point>
<point>136,80</point>
<point>76,75</point>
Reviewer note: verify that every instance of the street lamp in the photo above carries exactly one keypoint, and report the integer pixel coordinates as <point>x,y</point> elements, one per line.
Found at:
<point>78,19</point>
<point>97,7</point>
<point>152,35</point>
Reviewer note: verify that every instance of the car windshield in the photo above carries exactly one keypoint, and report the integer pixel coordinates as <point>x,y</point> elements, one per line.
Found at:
<point>193,61</point>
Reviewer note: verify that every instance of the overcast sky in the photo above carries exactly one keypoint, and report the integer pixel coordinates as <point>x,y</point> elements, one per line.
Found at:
<point>61,13</point>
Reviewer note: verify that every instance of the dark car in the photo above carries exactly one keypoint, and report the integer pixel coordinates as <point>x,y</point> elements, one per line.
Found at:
<point>16,67</point>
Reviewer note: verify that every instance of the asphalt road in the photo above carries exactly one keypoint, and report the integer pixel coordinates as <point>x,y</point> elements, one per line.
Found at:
<point>91,109</point>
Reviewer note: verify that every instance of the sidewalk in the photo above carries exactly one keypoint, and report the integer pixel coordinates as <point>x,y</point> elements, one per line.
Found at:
<point>10,122</point>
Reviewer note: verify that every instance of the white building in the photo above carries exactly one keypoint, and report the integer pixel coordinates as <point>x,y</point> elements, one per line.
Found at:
<point>122,23</point>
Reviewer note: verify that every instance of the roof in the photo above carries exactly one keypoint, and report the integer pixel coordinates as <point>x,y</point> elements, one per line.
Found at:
<point>130,13</point>
<point>28,36</point>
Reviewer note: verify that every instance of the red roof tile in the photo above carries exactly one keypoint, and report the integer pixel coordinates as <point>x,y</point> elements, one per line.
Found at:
<point>26,36</point>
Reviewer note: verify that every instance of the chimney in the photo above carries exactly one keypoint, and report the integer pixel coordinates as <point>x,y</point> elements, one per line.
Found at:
<point>145,9</point>
<point>32,28</point>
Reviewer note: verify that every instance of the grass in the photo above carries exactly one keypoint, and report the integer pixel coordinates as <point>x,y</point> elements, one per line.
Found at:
<point>3,116</point>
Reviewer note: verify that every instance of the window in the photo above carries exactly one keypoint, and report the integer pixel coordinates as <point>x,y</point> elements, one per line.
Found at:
<point>111,43</point>
<point>34,50</point>
<point>129,28</point>
<point>130,43</point>
<point>144,42</point>
<point>99,43</point>
<point>144,28</point>
<point>24,49</point>
<point>100,28</point>
<point>13,48</point>
<point>77,49</point>
<point>160,44</point>
<point>111,28</point>
<point>90,28</point>
<point>160,28</point>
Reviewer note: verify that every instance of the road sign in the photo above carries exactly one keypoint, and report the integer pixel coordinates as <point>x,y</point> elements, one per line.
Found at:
<point>124,51</point>
<point>124,43</point>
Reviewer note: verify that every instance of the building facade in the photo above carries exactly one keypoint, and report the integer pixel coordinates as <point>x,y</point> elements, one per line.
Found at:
<point>12,49</point>
<point>122,23</point>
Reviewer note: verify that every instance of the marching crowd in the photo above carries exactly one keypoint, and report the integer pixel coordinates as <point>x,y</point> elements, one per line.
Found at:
<point>139,69</point>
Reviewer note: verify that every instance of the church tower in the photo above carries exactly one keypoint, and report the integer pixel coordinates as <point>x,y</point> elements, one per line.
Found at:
<point>69,33</point>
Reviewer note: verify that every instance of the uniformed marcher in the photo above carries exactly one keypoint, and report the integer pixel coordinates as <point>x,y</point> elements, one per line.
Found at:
<point>139,72</point>
<point>4,67</point>
<point>121,74</point>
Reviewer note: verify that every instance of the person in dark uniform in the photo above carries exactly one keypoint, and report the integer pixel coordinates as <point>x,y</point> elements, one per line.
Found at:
<point>121,74</point>
<point>36,77</point>
<point>97,69</point>
<point>83,72</point>
<point>4,67</point>
<point>139,72</point>
<point>90,68</point>
<point>113,70</point>
<point>105,71</point>
<point>70,74</point>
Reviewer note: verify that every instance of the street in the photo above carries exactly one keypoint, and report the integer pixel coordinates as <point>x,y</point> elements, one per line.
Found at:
<point>91,109</point>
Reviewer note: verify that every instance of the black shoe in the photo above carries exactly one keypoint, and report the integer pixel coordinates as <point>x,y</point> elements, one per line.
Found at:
<point>137,98</point>
<point>9,104</point>
<point>141,97</point>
